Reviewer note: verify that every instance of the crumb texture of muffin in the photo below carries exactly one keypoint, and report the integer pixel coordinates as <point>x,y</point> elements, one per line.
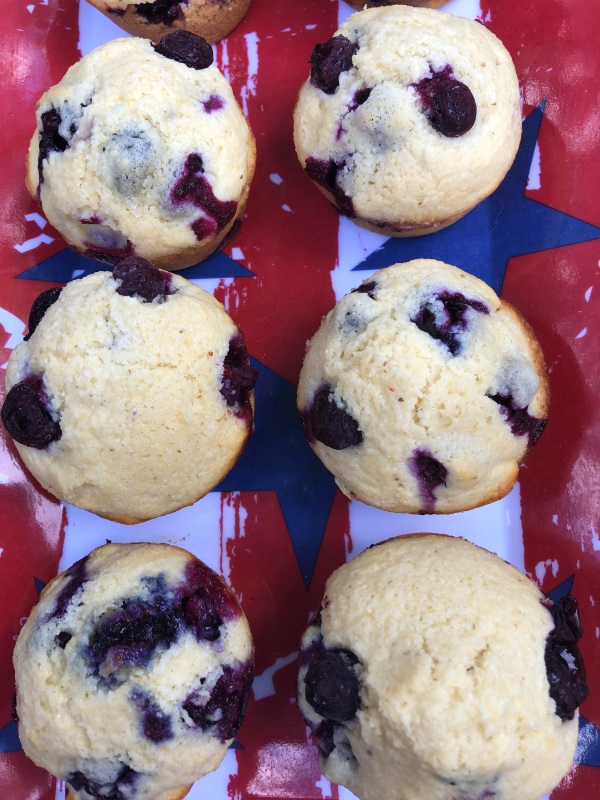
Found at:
<point>133,396</point>
<point>142,149</point>
<point>410,117</point>
<point>133,673</point>
<point>211,19</point>
<point>422,391</point>
<point>424,676</point>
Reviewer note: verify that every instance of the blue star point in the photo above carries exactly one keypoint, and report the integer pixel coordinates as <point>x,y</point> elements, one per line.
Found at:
<point>505,225</point>
<point>288,466</point>
<point>67,264</point>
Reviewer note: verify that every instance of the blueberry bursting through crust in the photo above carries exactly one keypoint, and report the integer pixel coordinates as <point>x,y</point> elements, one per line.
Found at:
<point>332,690</point>
<point>564,663</point>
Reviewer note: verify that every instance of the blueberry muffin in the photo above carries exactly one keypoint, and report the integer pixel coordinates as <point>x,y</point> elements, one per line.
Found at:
<point>133,673</point>
<point>432,672</point>
<point>410,117</point>
<point>132,396</point>
<point>142,149</point>
<point>422,391</point>
<point>211,19</point>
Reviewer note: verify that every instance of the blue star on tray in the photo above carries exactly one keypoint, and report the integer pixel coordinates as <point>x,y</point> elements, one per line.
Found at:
<point>286,465</point>
<point>67,264</point>
<point>505,225</point>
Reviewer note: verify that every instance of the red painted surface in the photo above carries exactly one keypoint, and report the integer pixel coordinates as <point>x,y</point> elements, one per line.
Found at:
<point>292,254</point>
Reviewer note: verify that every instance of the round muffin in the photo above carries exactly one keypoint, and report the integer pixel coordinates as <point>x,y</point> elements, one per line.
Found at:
<point>152,20</point>
<point>422,391</point>
<point>430,673</point>
<point>132,396</point>
<point>410,118</point>
<point>133,673</point>
<point>142,149</point>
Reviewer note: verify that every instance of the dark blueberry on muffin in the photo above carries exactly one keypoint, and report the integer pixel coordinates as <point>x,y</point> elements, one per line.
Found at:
<point>329,422</point>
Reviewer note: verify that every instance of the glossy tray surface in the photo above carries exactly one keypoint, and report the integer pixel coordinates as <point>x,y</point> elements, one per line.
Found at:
<point>278,527</point>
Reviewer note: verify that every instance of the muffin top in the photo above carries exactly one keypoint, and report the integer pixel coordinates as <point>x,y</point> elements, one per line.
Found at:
<point>131,399</point>
<point>422,391</point>
<point>410,117</point>
<point>133,672</point>
<point>440,652</point>
<point>141,149</point>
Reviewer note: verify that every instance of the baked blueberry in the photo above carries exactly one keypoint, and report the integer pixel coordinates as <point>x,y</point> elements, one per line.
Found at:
<point>137,277</point>
<point>41,304</point>
<point>329,60</point>
<point>445,317</point>
<point>564,663</point>
<point>187,48</point>
<point>328,421</point>
<point>331,685</point>
<point>26,416</point>
<point>223,712</point>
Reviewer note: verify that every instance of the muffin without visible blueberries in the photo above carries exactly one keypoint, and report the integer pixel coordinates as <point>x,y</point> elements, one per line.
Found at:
<point>410,117</point>
<point>142,149</point>
<point>133,394</point>
<point>152,20</point>
<point>133,673</point>
<point>436,671</point>
<point>422,391</point>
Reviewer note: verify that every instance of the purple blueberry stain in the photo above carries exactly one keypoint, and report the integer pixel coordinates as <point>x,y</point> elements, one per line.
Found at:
<point>161,12</point>
<point>130,635</point>
<point>222,713</point>
<point>186,48</point>
<point>327,421</point>
<point>41,304</point>
<point>201,582</point>
<point>155,723</point>
<point>117,787</point>
<point>329,60</point>
<point>326,173</point>
<point>214,103</point>
<point>564,662</point>
<point>360,96</point>
<point>192,187</point>
<point>238,378</point>
<point>446,316</point>
<point>139,278</point>
<point>430,474</point>
<point>448,103</point>
<point>76,576</point>
<point>26,416</point>
<point>519,419</point>
<point>201,615</point>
